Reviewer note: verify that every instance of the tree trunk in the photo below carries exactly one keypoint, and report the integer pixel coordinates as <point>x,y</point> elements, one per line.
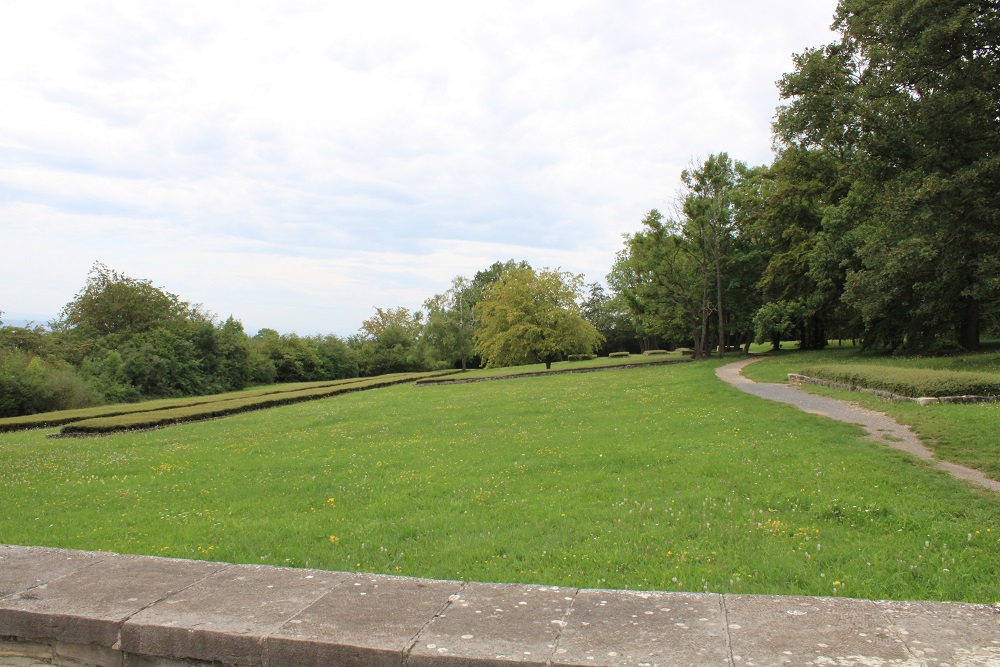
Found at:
<point>968,328</point>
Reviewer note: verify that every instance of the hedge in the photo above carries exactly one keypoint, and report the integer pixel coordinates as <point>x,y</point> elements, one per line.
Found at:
<point>618,355</point>
<point>222,408</point>
<point>46,419</point>
<point>655,352</point>
<point>912,382</point>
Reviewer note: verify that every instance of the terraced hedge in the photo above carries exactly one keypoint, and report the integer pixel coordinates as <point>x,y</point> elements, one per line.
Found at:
<point>229,406</point>
<point>47,419</point>
<point>912,382</point>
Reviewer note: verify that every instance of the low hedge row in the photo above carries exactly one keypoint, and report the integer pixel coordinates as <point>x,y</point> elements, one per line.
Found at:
<point>222,408</point>
<point>618,355</point>
<point>912,382</point>
<point>651,353</point>
<point>47,419</point>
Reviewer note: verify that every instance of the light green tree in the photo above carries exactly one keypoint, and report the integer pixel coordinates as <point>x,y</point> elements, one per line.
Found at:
<point>529,316</point>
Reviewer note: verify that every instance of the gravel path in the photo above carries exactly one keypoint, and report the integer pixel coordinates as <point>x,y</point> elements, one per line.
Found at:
<point>881,427</point>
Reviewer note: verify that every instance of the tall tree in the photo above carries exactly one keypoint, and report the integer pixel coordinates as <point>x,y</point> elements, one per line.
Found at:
<point>909,100</point>
<point>708,225</point>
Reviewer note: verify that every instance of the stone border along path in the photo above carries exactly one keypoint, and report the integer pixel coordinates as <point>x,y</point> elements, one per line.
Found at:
<point>98,609</point>
<point>881,427</point>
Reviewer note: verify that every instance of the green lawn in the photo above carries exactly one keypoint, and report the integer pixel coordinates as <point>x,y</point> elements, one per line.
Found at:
<point>651,478</point>
<point>966,434</point>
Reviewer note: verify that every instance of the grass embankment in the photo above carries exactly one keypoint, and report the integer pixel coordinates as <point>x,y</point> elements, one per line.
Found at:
<point>912,382</point>
<point>532,370</point>
<point>57,418</point>
<point>964,433</point>
<point>652,478</point>
<point>152,414</point>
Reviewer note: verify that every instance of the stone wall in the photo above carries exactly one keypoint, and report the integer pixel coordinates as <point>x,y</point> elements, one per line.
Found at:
<point>87,609</point>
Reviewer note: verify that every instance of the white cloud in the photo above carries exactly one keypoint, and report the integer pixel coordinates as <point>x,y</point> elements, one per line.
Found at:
<point>297,163</point>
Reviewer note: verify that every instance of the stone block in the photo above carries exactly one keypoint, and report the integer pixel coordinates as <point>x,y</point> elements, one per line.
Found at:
<point>225,618</point>
<point>22,568</point>
<point>608,627</point>
<point>947,633</point>
<point>88,605</point>
<point>370,621</point>
<point>792,630</point>
<point>494,625</point>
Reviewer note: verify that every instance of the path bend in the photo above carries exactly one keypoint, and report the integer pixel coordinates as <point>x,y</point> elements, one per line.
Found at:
<point>880,427</point>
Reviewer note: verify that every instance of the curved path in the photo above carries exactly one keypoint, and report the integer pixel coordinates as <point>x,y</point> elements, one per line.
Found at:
<point>881,427</point>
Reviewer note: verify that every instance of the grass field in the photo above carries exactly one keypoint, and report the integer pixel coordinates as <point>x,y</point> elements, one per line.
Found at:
<point>966,434</point>
<point>651,478</point>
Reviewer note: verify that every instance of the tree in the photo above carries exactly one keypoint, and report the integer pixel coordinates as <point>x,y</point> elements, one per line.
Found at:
<point>708,226</point>
<point>909,101</point>
<point>113,303</point>
<point>527,317</point>
<point>450,322</point>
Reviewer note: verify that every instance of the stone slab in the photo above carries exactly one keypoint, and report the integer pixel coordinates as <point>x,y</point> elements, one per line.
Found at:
<point>225,618</point>
<point>947,633</point>
<point>89,605</point>
<point>22,568</point>
<point>494,625</point>
<point>608,627</point>
<point>792,630</point>
<point>370,620</point>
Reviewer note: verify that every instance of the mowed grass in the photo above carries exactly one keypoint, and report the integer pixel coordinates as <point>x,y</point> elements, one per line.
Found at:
<point>653,478</point>
<point>964,433</point>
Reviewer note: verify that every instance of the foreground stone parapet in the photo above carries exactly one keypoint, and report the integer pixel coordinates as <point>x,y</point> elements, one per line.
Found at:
<point>84,609</point>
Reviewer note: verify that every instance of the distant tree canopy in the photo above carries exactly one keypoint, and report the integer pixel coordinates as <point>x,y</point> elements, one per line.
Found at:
<point>527,316</point>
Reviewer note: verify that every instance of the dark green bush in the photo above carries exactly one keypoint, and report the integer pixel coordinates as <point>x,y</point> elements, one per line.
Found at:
<point>618,355</point>
<point>655,352</point>
<point>913,382</point>
<point>580,357</point>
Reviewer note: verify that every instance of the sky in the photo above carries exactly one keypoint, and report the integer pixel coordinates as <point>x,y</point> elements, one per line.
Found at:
<point>297,163</point>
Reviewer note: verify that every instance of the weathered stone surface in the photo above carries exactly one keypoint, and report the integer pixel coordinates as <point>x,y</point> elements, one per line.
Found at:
<point>22,568</point>
<point>635,628</point>
<point>789,630</point>
<point>491,625</point>
<point>88,654</point>
<point>947,633</point>
<point>89,605</point>
<point>369,620</point>
<point>226,617</point>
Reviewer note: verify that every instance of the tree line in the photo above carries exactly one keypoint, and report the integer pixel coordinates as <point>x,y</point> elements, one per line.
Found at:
<point>124,339</point>
<point>877,219</point>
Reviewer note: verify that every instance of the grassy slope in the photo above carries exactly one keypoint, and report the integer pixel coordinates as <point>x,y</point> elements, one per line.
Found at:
<point>965,434</point>
<point>627,479</point>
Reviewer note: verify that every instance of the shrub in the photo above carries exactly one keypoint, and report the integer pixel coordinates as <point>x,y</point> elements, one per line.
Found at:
<point>581,357</point>
<point>913,382</point>
<point>652,353</point>
<point>618,355</point>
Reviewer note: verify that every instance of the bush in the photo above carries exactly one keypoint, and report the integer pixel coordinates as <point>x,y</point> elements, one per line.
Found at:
<point>652,353</point>
<point>912,382</point>
<point>581,357</point>
<point>30,384</point>
<point>618,355</point>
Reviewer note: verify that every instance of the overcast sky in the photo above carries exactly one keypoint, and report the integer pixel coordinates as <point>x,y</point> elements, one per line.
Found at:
<point>296,163</point>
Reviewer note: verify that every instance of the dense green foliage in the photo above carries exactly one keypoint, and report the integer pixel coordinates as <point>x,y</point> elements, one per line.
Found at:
<point>913,382</point>
<point>529,316</point>
<point>654,478</point>
<point>879,218</point>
